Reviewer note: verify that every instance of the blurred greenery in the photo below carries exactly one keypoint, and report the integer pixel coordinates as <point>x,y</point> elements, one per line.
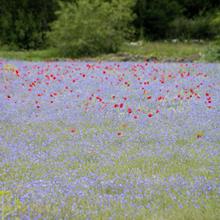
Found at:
<point>24,23</point>
<point>77,28</point>
<point>194,28</point>
<point>89,28</point>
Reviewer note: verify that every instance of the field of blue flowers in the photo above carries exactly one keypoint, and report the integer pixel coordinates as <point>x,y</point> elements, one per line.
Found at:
<point>106,140</point>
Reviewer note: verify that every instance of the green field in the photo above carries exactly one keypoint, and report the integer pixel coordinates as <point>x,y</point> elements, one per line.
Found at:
<point>138,51</point>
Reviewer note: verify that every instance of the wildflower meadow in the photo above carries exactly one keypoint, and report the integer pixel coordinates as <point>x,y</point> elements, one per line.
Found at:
<point>109,140</point>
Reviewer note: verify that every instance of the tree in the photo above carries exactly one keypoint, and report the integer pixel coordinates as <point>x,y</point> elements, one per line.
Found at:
<point>24,22</point>
<point>154,16</point>
<point>195,8</point>
<point>91,27</point>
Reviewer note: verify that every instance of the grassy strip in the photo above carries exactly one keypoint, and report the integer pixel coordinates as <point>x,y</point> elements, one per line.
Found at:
<point>160,51</point>
<point>32,55</point>
<point>167,50</point>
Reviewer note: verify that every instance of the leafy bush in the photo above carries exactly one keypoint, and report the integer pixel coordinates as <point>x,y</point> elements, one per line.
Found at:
<point>212,54</point>
<point>215,24</point>
<point>153,17</point>
<point>197,28</point>
<point>23,24</point>
<point>91,27</point>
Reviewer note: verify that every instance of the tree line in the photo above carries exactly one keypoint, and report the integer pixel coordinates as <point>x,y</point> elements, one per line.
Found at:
<point>84,25</point>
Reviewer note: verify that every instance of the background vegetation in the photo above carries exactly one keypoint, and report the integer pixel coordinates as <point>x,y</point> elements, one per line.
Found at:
<point>89,27</point>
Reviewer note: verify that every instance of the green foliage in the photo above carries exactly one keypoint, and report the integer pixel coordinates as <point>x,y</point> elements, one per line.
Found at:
<point>192,9</point>
<point>23,23</point>
<point>91,27</point>
<point>197,28</point>
<point>153,17</point>
<point>213,52</point>
<point>215,24</point>
<point>157,19</point>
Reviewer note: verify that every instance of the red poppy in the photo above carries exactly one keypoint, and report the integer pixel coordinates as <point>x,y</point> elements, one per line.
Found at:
<point>129,110</point>
<point>150,115</point>
<point>17,73</point>
<point>160,98</point>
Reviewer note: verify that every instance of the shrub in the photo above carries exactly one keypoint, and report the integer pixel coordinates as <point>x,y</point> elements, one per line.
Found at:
<point>153,17</point>
<point>215,24</point>
<point>197,28</point>
<point>91,27</point>
<point>23,24</point>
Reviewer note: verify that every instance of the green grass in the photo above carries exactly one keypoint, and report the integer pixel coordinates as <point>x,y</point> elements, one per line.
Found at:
<point>167,50</point>
<point>31,55</point>
<point>161,51</point>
